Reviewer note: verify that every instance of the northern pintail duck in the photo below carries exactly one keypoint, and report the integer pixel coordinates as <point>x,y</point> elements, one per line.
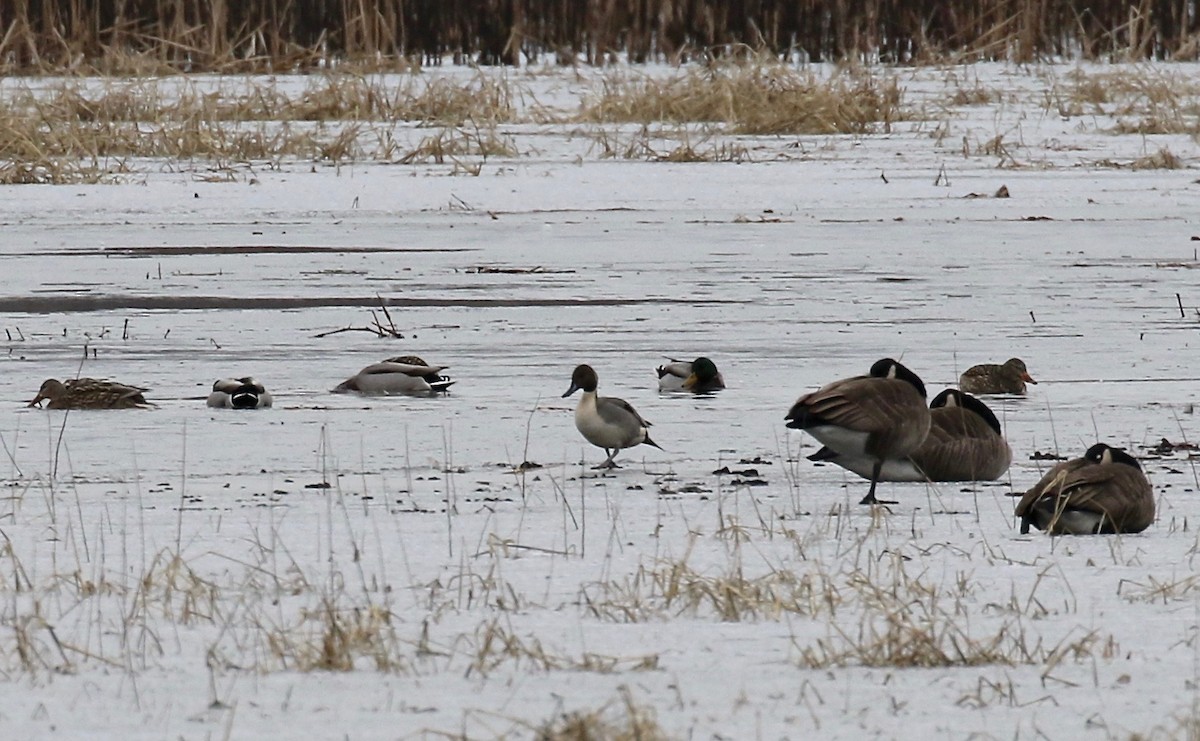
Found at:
<point>964,443</point>
<point>879,417</point>
<point>606,421</point>
<point>406,374</point>
<point>990,378</point>
<point>699,376</point>
<point>239,393</point>
<point>1105,491</point>
<point>89,393</point>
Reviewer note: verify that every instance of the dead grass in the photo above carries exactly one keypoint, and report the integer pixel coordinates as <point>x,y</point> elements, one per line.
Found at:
<point>754,99</point>
<point>1142,100</point>
<point>620,720</point>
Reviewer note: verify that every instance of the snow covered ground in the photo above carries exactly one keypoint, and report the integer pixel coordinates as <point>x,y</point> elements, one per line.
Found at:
<point>343,567</point>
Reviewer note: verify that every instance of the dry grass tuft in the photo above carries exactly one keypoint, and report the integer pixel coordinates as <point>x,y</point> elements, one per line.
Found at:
<point>755,99</point>
<point>622,720</point>
<point>1163,159</point>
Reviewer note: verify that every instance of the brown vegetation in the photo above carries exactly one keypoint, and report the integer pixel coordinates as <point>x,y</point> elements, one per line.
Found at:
<point>153,36</point>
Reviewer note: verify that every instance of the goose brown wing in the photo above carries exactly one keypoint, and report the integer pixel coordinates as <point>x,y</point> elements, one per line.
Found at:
<point>1120,492</point>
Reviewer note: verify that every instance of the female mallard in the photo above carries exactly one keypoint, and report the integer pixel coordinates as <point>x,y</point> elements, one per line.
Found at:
<point>877,417</point>
<point>964,443</point>
<point>407,374</point>
<point>89,393</point>
<point>990,378</point>
<point>699,376</point>
<point>1105,491</point>
<point>239,393</point>
<point>606,421</point>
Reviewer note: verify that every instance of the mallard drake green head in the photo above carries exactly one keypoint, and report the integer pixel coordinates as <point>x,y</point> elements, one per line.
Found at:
<point>699,376</point>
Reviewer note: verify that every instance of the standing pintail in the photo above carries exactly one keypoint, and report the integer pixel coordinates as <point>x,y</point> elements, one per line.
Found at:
<point>605,421</point>
<point>965,443</point>
<point>89,393</point>
<point>406,374</point>
<point>239,393</point>
<point>991,378</point>
<point>699,376</point>
<point>878,417</point>
<point>1105,491</point>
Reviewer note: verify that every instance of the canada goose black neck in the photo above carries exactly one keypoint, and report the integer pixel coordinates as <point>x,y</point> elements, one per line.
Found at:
<point>1101,453</point>
<point>888,368</point>
<point>956,398</point>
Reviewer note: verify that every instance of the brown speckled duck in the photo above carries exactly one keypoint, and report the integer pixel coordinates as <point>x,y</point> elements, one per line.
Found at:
<point>89,393</point>
<point>990,378</point>
<point>1105,491</point>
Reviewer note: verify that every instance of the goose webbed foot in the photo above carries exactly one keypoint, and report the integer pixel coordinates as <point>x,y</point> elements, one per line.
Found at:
<point>870,497</point>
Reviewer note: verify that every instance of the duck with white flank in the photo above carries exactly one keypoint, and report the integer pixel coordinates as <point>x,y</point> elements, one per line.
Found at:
<point>878,417</point>
<point>89,393</point>
<point>964,443</point>
<point>1105,491</point>
<point>239,393</point>
<point>407,374</point>
<point>990,378</point>
<point>699,376</point>
<point>605,421</point>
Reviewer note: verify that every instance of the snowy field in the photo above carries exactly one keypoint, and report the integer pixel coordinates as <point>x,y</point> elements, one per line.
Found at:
<point>451,567</point>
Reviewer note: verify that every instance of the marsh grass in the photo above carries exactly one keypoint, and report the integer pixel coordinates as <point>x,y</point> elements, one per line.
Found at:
<point>1141,100</point>
<point>622,719</point>
<point>756,98</point>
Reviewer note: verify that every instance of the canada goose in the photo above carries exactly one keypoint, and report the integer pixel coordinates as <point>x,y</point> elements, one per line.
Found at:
<point>699,376</point>
<point>89,393</point>
<point>878,417</point>
<point>606,421</point>
<point>239,393</point>
<point>1105,491</point>
<point>990,378</point>
<point>400,375</point>
<point>964,443</point>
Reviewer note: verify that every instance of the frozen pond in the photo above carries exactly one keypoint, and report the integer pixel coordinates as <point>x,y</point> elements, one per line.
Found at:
<point>169,572</point>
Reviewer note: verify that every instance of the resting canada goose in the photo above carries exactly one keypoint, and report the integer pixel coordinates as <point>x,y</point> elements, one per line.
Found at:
<point>699,376</point>
<point>89,393</point>
<point>407,374</point>
<point>606,421</point>
<point>877,417</point>
<point>964,444</point>
<point>239,393</point>
<point>1105,491</point>
<point>990,378</point>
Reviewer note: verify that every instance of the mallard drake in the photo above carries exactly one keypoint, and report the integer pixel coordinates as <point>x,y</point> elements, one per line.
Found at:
<point>965,443</point>
<point>990,378</point>
<point>606,421</point>
<point>89,393</point>
<point>879,417</point>
<point>699,376</point>
<point>1105,491</point>
<point>239,393</point>
<point>406,374</point>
